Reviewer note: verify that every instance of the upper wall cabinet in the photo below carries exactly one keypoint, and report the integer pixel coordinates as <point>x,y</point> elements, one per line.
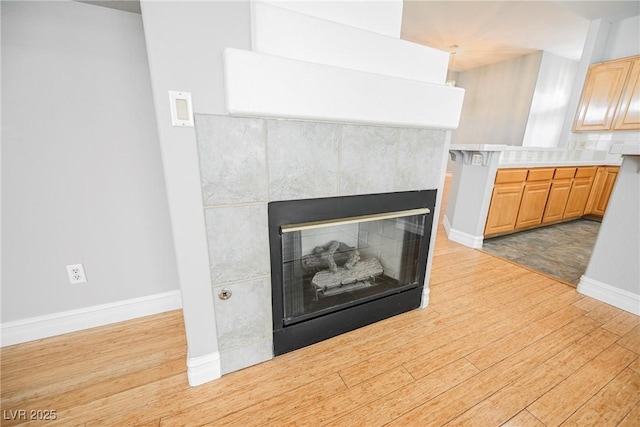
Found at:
<point>611,97</point>
<point>628,112</point>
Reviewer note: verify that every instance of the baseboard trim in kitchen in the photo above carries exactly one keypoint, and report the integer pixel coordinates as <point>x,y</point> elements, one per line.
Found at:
<point>461,237</point>
<point>616,297</point>
<point>35,328</point>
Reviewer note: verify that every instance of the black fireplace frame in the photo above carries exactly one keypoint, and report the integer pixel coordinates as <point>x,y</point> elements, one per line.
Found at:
<point>289,337</point>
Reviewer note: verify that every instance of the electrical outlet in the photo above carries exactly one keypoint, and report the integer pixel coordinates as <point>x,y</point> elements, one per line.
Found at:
<point>76,274</point>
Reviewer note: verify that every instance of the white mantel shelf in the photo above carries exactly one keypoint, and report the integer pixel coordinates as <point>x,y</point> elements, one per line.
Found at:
<point>306,67</point>
<point>260,85</point>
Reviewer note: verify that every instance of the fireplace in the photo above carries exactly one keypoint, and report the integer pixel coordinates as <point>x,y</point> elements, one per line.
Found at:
<point>289,119</point>
<point>250,165</point>
<point>339,263</point>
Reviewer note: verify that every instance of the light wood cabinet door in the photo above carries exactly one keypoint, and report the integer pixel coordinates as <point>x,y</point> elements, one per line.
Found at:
<point>601,201</point>
<point>628,113</point>
<point>602,90</point>
<point>578,196</point>
<point>534,199</point>
<point>503,212</point>
<point>596,188</point>
<point>557,201</point>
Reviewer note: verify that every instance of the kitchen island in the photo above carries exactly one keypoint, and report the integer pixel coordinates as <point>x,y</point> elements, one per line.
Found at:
<point>498,189</point>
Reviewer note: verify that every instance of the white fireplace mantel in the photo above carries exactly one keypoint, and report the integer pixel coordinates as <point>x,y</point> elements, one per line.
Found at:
<point>309,68</point>
<point>262,85</point>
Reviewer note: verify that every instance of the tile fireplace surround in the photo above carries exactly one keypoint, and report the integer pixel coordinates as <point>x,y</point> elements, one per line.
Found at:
<point>247,162</point>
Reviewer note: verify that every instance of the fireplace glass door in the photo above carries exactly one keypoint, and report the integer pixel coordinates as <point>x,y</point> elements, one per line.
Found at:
<point>331,265</point>
<point>340,263</point>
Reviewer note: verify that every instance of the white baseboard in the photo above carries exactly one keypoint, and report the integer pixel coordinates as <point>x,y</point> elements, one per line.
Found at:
<point>611,295</point>
<point>203,369</point>
<point>424,303</point>
<point>50,325</point>
<point>461,237</point>
<point>447,225</point>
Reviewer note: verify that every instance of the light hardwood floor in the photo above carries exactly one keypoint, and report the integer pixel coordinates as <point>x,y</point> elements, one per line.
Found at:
<point>498,345</point>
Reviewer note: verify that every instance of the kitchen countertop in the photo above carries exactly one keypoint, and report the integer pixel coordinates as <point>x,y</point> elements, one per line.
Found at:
<point>478,147</point>
<point>631,149</point>
<point>531,157</point>
<point>559,164</point>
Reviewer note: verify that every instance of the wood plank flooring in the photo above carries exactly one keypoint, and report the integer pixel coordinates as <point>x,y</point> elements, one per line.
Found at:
<point>498,345</point>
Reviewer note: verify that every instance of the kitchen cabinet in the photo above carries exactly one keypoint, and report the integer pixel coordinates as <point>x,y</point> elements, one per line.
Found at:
<point>579,193</point>
<point>534,197</point>
<point>558,194</point>
<point>611,97</point>
<point>505,201</point>
<point>577,200</point>
<point>601,191</point>
<point>627,115</point>
<point>528,198</point>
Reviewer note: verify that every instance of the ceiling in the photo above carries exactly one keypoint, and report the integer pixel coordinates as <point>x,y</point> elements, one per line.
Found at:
<point>126,5</point>
<point>491,31</point>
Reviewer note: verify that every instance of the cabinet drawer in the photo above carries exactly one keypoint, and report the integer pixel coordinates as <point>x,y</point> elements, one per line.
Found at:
<point>540,174</point>
<point>586,172</point>
<point>504,176</point>
<point>564,173</point>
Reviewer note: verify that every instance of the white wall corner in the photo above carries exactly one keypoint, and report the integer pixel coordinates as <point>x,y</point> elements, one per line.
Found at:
<point>461,237</point>
<point>383,17</point>
<point>64,322</point>
<point>203,369</point>
<point>611,295</point>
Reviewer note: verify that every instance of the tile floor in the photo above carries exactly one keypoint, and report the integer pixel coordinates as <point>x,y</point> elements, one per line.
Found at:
<point>560,250</point>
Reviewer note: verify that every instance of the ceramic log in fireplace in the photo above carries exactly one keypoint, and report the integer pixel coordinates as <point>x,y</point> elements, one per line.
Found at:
<point>341,263</point>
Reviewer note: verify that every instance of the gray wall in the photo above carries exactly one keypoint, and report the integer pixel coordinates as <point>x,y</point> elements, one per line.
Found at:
<point>623,39</point>
<point>614,260</point>
<point>82,177</point>
<point>550,101</point>
<point>184,43</point>
<point>620,228</point>
<point>497,101</point>
<point>508,102</point>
